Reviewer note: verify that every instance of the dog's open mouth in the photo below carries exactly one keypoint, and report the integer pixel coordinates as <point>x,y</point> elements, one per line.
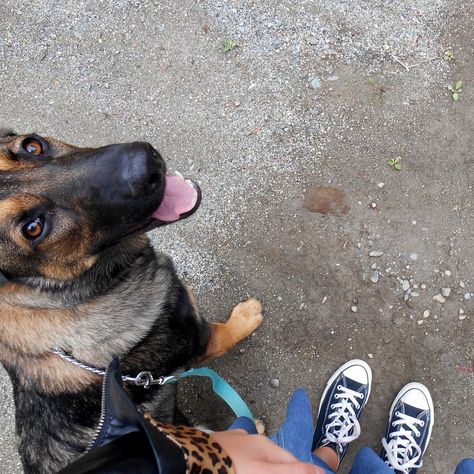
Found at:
<point>181,199</point>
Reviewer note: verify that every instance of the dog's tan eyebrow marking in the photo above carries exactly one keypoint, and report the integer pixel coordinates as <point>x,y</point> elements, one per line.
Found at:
<point>12,207</point>
<point>8,164</point>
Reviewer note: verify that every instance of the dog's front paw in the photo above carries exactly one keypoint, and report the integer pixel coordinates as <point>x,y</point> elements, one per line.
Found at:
<point>246,317</point>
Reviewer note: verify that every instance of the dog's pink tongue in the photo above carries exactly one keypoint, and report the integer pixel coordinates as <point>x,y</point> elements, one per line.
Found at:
<point>180,197</point>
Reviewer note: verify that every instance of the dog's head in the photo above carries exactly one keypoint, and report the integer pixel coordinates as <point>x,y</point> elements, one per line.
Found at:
<point>62,205</point>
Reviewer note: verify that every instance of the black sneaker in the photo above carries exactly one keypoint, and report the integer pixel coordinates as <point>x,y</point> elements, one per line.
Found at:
<point>409,429</point>
<point>341,405</point>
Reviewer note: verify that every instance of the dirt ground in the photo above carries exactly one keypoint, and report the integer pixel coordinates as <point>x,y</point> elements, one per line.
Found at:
<point>315,94</point>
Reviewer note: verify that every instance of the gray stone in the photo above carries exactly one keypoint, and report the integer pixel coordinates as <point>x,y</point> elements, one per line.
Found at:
<point>376,253</point>
<point>315,83</point>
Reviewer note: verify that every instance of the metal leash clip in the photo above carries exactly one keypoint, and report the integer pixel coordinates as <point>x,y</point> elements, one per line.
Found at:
<point>145,379</point>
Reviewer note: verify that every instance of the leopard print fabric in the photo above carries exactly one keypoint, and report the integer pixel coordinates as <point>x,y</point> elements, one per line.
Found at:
<point>202,454</point>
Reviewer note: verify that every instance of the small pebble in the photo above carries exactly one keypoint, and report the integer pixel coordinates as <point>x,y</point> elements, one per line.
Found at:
<point>462,284</point>
<point>413,222</point>
<point>405,285</point>
<point>315,83</point>
<point>462,317</point>
<point>354,309</point>
<point>370,356</point>
<point>275,383</point>
<point>324,300</point>
<point>413,256</point>
<point>373,205</point>
<point>376,253</point>
<point>237,103</point>
<point>373,266</point>
<point>375,277</point>
<point>426,313</point>
<point>381,185</point>
<point>414,294</point>
<point>423,286</point>
<point>445,292</point>
<point>447,273</point>
<point>420,321</point>
<point>467,296</point>
<point>439,298</point>
<point>461,311</point>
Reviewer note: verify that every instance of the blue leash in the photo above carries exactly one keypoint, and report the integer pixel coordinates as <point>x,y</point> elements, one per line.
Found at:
<point>221,388</point>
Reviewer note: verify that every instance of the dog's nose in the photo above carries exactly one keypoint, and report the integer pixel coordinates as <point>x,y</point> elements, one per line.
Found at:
<point>141,170</point>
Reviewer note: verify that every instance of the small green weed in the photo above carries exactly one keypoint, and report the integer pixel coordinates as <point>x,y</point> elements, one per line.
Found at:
<point>395,163</point>
<point>229,45</point>
<point>455,90</point>
<point>449,56</point>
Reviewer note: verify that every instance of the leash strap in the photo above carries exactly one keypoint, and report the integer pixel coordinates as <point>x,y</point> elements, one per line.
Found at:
<point>222,389</point>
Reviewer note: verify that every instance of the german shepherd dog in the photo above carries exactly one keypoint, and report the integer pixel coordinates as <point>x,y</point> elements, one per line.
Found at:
<point>78,274</point>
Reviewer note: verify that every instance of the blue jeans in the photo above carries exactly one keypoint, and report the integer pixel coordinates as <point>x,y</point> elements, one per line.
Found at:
<point>296,436</point>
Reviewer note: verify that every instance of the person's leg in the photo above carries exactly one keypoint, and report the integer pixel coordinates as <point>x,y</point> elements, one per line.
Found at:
<point>243,423</point>
<point>342,402</point>
<point>466,466</point>
<point>409,429</point>
<point>296,433</point>
<point>367,462</point>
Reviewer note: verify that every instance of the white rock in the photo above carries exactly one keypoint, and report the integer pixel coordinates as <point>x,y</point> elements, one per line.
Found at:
<point>376,253</point>
<point>439,298</point>
<point>413,256</point>
<point>423,286</point>
<point>375,277</point>
<point>324,300</point>
<point>426,313</point>
<point>461,311</point>
<point>381,185</point>
<point>446,292</point>
<point>420,321</point>
<point>462,284</point>
<point>467,296</point>
<point>447,273</point>
<point>405,285</point>
<point>354,309</point>
<point>462,317</point>
<point>370,356</point>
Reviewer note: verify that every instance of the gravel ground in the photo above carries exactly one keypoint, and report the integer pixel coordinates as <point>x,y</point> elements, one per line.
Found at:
<point>316,93</point>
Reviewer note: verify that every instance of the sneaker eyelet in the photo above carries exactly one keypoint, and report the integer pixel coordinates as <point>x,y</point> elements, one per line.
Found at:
<point>339,387</point>
<point>393,425</point>
<point>397,413</point>
<point>357,406</point>
<point>361,396</point>
<point>332,406</point>
<point>422,423</point>
<point>336,397</point>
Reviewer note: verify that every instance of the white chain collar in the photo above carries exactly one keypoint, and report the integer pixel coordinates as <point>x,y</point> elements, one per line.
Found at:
<point>143,379</point>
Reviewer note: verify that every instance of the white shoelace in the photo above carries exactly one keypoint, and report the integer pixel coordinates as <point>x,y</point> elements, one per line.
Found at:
<point>402,450</point>
<point>344,427</point>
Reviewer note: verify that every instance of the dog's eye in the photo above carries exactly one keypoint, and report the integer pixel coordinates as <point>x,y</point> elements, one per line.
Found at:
<point>33,146</point>
<point>34,229</point>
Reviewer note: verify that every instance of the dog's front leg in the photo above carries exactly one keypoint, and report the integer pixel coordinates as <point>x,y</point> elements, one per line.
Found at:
<point>244,319</point>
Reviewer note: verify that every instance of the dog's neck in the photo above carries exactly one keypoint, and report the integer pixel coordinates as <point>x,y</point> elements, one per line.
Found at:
<point>105,312</point>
